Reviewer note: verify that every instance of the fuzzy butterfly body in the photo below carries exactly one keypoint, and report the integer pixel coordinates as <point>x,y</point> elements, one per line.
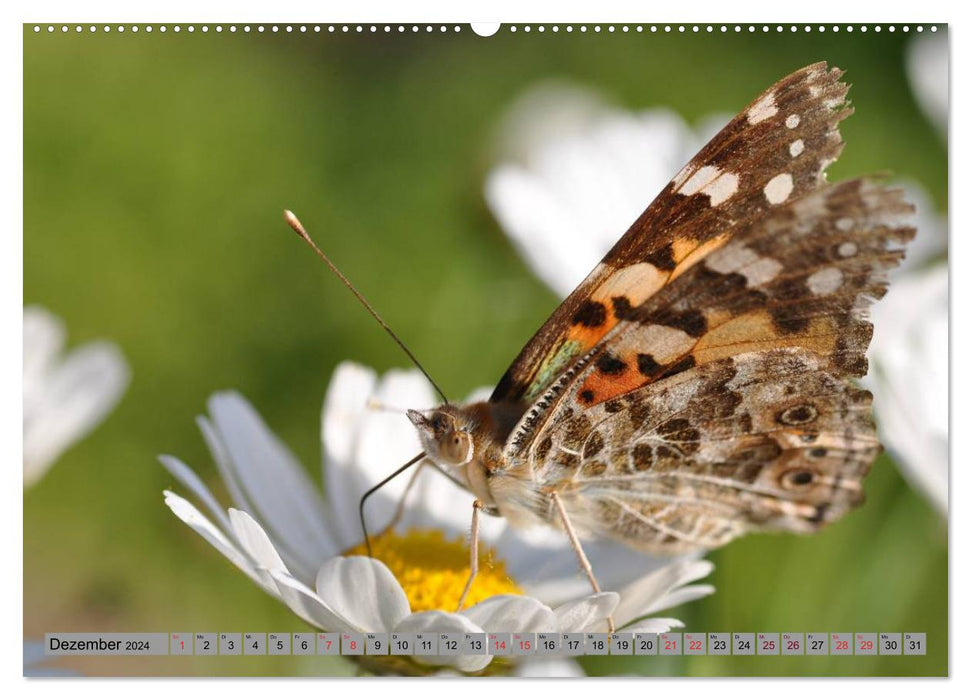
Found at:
<point>698,383</point>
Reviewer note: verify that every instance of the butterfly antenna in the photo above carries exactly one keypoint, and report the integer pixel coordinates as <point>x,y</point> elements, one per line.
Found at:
<point>295,224</point>
<point>360,507</point>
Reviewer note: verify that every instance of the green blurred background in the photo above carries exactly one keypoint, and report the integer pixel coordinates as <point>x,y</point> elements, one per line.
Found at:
<point>155,171</point>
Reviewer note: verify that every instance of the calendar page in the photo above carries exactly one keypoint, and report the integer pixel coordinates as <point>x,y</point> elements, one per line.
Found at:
<point>513,349</point>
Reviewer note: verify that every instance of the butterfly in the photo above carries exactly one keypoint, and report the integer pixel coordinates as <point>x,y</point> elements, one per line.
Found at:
<point>698,384</point>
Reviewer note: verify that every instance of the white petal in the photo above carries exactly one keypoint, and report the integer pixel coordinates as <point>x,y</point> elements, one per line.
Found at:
<point>540,667</point>
<point>363,591</point>
<point>254,541</point>
<point>656,590</point>
<point>190,480</point>
<point>909,378</point>
<point>383,442</point>
<point>307,604</point>
<point>437,621</point>
<point>43,339</point>
<point>273,483</point>
<point>927,68</point>
<point>190,515</point>
<point>655,625</point>
<point>73,398</point>
<point>512,613</point>
<point>582,615</point>
<point>344,406</point>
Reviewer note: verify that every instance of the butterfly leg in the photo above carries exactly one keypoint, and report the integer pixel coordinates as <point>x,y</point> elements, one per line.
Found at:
<point>578,549</point>
<point>474,551</point>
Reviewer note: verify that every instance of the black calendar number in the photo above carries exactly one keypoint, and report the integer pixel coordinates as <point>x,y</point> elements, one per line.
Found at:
<point>719,645</point>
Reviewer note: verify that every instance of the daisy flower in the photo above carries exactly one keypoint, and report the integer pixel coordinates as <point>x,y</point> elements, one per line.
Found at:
<point>306,549</point>
<point>65,396</point>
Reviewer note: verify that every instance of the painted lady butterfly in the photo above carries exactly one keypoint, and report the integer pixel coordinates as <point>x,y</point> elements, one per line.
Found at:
<point>697,385</point>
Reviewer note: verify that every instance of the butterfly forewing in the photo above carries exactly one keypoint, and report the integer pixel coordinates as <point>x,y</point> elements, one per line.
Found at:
<point>774,150</point>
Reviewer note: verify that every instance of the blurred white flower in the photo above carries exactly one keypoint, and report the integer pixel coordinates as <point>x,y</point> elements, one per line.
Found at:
<point>65,397</point>
<point>291,540</point>
<point>909,377</point>
<point>928,71</point>
<point>577,173</point>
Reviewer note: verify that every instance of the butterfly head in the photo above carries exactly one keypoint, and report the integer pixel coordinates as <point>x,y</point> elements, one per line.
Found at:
<point>446,439</point>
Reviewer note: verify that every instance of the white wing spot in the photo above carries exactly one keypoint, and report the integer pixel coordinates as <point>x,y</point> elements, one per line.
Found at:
<point>825,281</point>
<point>711,181</point>
<point>847,249</point>
<point>762,110</point>
<point>792,121</point>
<point>778,189</point>
<point>721,188</point>
<point>757,270</point>
<point>796,147</point>
<point>701,178</point>
<point>844,223</point>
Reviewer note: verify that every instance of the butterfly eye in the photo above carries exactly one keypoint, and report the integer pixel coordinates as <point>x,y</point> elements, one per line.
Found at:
<point>458,448</point>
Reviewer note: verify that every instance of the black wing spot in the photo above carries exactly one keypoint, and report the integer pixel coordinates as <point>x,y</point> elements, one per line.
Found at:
<point>622,308</point>
<point>610,365</point>
<point>586,396</point>
<point>663,258</point>
<point>692,322</point>
<point>647,365</point>
<point>591,314</point>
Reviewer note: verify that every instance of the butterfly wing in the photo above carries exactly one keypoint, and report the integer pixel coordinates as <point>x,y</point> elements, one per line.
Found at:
<point>723,403</point>
<point>765,440</point>
<point>775,150</point>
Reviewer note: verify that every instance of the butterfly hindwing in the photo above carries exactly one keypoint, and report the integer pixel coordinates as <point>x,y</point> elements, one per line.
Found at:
<point>764,440</point>
<point>774,151</point>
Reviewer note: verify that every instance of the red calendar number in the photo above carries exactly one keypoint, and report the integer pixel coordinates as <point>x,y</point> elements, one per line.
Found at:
<point>842,645</point>
<point>670,645</point>
<point>694,645</point>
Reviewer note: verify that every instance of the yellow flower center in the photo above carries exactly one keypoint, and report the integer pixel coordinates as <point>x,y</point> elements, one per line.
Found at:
<point>433,570</point>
